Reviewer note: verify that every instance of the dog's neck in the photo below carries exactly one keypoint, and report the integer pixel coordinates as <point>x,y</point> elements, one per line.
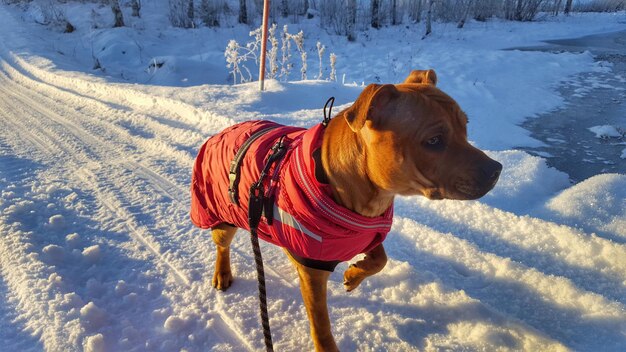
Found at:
<point>344,164</point>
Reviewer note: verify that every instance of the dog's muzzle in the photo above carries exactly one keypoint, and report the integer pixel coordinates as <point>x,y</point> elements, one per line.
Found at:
<point>491,172</point>
<point>485,179</point>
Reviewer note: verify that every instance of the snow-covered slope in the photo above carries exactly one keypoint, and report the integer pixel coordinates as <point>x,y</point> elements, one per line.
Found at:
<point>97,252</point>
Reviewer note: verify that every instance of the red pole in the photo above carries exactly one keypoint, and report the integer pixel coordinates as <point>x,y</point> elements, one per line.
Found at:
<point>266,13</point>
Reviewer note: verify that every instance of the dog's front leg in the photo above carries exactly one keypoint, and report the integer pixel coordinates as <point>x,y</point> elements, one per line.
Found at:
<point>313,286</point>
<point>374,261</point>
<point>222,237</point>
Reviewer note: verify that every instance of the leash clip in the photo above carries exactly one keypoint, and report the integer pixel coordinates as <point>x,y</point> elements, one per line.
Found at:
<point>261,204</point>
<point>268,209</point>
<point>278,151</point>
<point>255,205</point>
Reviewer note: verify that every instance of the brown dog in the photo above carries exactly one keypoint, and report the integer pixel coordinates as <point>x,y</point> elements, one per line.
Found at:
<point>405,139</point>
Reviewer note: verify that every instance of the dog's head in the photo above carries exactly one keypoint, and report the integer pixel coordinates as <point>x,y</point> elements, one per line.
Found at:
<point>415,141</point>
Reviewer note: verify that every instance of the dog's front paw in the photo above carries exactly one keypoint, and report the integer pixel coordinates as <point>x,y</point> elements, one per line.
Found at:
<point>222,280</point>
<point>353,277</point>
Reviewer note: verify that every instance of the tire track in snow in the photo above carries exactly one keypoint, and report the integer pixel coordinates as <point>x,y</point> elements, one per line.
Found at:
<point>49,149</point>
<point>110,95</point>
<point>31,289</point>
<point>27,278</point>
<point>113,131</point>
<point>229,327</point>
<point>162,184</point>
<point>87,175</point>
<point>138,232</point>
<point>36,141</point>
<point>12,168</point>
<point>102,117</point>
<point>165,186</point>
<point>23,72</point>
<point>155,179</point>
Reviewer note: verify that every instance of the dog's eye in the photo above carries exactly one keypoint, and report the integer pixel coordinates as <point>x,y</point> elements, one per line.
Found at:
<point>435,141</point>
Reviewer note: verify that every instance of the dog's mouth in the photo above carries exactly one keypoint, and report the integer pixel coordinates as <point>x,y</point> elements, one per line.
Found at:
<point>462,189</point>
<point>433,194</point>
<point>470,190</point>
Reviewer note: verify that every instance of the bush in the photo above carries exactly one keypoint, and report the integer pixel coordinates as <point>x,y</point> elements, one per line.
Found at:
<point>181,13</point>
<point>601,6</point>
<point>237,55</point>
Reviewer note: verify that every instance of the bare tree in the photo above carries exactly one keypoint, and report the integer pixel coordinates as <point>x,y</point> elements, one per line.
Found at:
<point>557,7</point>
<point>181,13</point>
<point>209,11</point>
<point>333,15</point>
<point>243,12</point>
<point>117,13</point>
<point>525,10</point>
<point>415,10</point>
<point>429,16</point>
<point>136,6</point>
<point>284,8</point>
<point>465,12</point>
<point>351,20</point>
<point>375,14</point>
<point>518,10</point>
<point>190,12</point>
<point>484,9</point>
<point>568,7</point>
<point>394,11</point>
<point>509,12</point>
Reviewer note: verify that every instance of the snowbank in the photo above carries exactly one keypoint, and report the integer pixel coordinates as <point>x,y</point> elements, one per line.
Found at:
<point>596,205</point>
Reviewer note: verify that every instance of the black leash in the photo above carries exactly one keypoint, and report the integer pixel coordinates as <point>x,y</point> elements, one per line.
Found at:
<point>258,203</point>
<point>260,273</point>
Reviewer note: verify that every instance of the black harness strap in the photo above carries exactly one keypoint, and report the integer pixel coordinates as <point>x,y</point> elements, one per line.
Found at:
<point>326,265</point>
<point>235,165</point>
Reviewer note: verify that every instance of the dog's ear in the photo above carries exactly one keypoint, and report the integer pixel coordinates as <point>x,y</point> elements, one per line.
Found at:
<point>357,113</point>
<point>369,105</point>
<point>422,77</point>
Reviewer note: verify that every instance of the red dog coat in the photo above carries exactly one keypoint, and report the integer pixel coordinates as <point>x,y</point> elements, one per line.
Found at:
<point>307,221</point>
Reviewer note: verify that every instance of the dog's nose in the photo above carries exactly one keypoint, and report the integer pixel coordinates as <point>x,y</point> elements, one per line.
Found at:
<point>491,171</point>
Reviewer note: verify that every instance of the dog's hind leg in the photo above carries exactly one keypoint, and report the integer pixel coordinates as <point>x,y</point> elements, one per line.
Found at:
<point>374,261</point>
<point>222,237</point>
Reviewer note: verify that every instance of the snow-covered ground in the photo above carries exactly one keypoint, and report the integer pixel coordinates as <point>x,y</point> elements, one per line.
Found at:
<point>97,252</point>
